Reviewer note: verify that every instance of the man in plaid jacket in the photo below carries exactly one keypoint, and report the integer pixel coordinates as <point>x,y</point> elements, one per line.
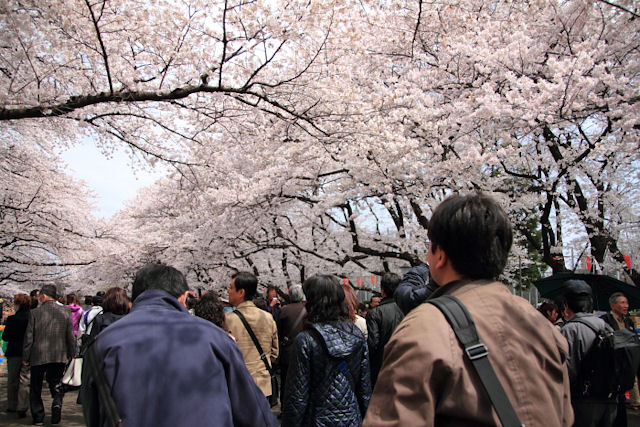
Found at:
<point>48,345</point>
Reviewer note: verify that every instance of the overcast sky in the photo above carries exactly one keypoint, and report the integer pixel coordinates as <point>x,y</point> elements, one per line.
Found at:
<point>113,180</point>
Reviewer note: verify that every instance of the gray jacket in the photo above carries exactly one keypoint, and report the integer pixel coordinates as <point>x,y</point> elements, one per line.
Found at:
<point>49,336</point>
<point>580,338</point>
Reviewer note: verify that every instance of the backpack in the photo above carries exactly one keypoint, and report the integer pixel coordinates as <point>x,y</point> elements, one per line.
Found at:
<point>611,364</point>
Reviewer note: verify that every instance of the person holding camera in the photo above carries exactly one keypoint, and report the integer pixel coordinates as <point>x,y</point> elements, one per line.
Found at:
<point>273,302</point>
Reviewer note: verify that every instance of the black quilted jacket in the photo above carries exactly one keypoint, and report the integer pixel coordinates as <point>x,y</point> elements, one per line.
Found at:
<point>328,381</point>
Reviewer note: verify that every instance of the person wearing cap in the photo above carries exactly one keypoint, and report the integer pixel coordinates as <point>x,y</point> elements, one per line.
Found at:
<point>49,344</point>
<point>203,383</point>
<point>588,411</point>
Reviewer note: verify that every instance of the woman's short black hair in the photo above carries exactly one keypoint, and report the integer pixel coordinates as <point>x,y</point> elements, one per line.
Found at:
<point>325,299</point>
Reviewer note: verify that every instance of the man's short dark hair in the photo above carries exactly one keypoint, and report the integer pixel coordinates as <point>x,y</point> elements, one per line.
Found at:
<point>50,291</point>
<point>248,282</point>
<point>389,283</point>
<point>158,276</point>
<point>474,232</point>
<point>580,304</point>
<point>614,297</point>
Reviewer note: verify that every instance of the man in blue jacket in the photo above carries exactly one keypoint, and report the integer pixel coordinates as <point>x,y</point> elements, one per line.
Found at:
<point>415,288</point>
<point>167,367</point>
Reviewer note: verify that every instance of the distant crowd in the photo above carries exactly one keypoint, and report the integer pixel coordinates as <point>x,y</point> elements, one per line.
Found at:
<point>445,344</point>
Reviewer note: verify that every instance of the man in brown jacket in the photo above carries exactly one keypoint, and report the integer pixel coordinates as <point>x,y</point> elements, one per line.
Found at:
<point>425,378</point>
<point>48,344</point>
<point>241,291</point>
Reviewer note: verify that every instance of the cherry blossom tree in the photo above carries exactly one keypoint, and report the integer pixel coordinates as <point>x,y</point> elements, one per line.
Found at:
<point>318,136</point>
<point>46,227</point>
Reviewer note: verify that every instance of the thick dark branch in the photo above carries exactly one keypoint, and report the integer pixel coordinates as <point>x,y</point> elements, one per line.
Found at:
<point>78,102</point>
<point>47,264</point>
<point>415,31</point>
<point>417,210</point>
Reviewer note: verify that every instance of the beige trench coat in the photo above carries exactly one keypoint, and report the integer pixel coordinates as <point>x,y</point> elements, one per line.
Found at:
<point>264,327</point>
<point>425,380</point>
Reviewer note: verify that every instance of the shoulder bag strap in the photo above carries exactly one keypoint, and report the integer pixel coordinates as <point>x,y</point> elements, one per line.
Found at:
<point>263,356</point>
<point>584,322</point>
<point>462,324</point>
<point>108,409</point>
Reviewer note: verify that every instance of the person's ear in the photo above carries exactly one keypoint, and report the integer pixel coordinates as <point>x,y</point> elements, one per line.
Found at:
<point>241,293</point>
<point>439,258</point>
<point>182,299</point>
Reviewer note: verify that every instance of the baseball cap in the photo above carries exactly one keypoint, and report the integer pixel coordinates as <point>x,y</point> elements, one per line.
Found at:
<point>576,288</point>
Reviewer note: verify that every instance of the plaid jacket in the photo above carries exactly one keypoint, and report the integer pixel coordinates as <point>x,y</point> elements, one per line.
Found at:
<point>49,337</point>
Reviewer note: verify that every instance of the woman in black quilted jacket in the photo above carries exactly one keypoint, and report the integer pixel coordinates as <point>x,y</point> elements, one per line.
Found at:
<point>328,382</point>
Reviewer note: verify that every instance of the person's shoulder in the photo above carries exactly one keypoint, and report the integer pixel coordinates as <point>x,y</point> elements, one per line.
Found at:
<point>375,311</point>
<point>291,308</point>
<point>265,316</point>
<point>585,321</point>
<point>423,321</point>
<point>206,328</point>
<point>307,340</point>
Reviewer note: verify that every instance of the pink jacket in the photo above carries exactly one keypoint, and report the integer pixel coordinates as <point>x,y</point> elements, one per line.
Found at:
<point>76,315</point>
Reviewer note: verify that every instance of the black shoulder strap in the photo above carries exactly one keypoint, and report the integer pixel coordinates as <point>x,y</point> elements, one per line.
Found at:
<point>584,322</point>
<point>462,324</point>
<point>108,409</point>
<point>263,356</point>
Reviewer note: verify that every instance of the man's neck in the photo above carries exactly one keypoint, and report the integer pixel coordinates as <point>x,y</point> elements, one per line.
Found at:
<point>618,317</point>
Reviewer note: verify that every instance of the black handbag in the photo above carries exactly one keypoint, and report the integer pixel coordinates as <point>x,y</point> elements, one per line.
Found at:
<point>273,399</point>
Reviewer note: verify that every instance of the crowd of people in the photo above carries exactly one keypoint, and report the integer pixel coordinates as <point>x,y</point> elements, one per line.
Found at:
<point>169,356</point>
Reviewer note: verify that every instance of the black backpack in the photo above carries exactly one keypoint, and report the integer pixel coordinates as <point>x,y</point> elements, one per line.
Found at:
<point>610,366</point>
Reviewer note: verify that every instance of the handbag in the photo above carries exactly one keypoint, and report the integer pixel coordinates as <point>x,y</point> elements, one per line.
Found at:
<point>72,377</point>
<point>273,399</point>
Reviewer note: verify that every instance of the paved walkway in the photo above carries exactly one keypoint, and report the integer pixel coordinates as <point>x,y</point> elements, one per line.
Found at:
<point>71,411</point>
